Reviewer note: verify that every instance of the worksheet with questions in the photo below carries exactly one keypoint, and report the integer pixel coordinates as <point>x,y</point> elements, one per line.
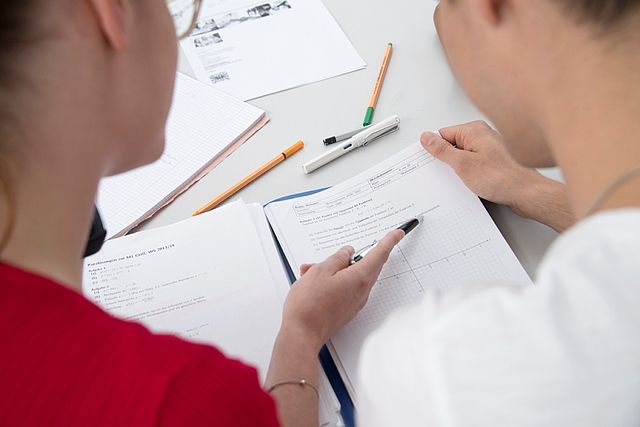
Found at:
<point>194,279</point>
<point>457,244</point>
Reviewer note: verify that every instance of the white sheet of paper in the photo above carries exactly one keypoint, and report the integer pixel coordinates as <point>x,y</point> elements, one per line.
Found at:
<point>269,249</point>
<point>251,48</point>
<point>203,124</point>
<point>458,242</point>
<point>205,279</point>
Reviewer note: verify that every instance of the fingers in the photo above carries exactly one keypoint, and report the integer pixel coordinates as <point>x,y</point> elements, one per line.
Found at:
<point>304,268</point>
<point>462,135</point>
<point>436,18</point>
<point>371,265</point>
<point>339,260</point>
<point>441,149</point>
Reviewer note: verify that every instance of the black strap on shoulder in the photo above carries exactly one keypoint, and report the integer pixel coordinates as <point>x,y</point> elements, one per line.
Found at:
<point>97,236</point>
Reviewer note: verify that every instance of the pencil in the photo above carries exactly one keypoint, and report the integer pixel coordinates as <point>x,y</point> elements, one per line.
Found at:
<point>252,177</point>
<point>376,90</point>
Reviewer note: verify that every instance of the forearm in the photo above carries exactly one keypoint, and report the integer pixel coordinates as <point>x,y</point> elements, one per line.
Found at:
<point>544,200</point>
<point>294,358</point>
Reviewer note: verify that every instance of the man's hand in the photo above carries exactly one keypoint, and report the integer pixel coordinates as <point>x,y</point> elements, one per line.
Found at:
<point>477,154</point>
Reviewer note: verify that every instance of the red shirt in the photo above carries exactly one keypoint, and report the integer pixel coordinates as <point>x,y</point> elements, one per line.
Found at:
<point>65,362</point>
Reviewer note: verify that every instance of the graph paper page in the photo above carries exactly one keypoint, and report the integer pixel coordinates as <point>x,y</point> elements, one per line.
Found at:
<point>203,123</point>
<point>457,244</point>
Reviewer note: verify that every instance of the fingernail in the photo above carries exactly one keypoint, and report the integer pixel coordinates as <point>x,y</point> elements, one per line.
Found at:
<point>430,138</point>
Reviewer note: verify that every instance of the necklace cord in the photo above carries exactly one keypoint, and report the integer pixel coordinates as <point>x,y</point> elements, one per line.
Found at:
<point>604,196</point>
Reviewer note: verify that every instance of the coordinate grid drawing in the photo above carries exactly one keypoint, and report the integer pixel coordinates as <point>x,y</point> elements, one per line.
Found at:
<point>461,255</point>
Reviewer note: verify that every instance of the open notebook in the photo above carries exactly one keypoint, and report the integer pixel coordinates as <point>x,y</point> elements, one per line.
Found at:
<point>205,125</point>
<point>458,243</point>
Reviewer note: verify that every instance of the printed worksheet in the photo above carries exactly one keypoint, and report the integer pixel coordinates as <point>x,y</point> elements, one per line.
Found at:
<point>251,48</point>
<point>457,244</point>
<point>206,279</point>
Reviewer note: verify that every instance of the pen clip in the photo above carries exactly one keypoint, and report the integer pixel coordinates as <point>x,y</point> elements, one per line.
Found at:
<point>380,134</point>
<point>357,256</point>
<point>378,130</point>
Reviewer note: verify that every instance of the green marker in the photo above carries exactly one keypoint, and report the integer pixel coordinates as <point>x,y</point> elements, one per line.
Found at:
<point>368,118</point>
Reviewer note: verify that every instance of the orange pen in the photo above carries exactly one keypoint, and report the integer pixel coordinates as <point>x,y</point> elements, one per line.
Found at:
<point>249,179</point>
<point>376,90</point>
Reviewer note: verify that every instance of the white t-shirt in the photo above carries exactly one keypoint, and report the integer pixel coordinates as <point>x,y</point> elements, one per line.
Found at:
<point>565,352</point>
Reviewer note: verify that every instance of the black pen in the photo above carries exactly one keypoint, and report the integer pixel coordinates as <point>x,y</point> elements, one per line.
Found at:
<point>343,137</point>
<point>406,227</point>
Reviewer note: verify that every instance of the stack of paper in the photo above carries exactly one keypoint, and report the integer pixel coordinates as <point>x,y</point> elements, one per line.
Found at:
<point>205,125</point>
<point>216,279</point>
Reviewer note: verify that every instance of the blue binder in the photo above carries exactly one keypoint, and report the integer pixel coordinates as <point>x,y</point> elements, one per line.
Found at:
<point>346,404</point>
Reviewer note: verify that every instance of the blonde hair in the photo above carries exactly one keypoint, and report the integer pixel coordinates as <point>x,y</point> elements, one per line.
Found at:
<point>17,33</point>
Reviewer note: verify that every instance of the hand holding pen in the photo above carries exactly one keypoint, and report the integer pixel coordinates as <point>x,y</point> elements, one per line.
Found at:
<point>407,227</point>
<point>330,294</point>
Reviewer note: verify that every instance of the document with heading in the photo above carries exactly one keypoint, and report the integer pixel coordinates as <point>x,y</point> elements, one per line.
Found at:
<point>457,244</point>
<point>184,279</point>
<point>216,279</point>
<point>251,48</point>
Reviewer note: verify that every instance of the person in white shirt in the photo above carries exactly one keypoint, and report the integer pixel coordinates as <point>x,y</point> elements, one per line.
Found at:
<point>560,79</point>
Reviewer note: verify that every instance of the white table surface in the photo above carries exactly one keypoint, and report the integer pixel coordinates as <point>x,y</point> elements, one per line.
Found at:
<point>419,87</point>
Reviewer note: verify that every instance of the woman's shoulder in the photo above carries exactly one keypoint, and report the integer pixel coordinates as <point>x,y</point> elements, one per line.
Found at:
<point>61,352</point>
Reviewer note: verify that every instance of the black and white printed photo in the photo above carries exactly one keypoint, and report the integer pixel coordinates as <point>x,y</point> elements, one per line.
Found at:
<point>207,40</point>
<point>219,77</point>
<point>238,16</point>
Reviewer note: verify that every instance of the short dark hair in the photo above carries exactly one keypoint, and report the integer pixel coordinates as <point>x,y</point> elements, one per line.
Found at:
<point>602,12</point>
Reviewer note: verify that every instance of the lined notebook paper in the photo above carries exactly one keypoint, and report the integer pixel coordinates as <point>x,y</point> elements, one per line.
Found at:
<point>205,125</point>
